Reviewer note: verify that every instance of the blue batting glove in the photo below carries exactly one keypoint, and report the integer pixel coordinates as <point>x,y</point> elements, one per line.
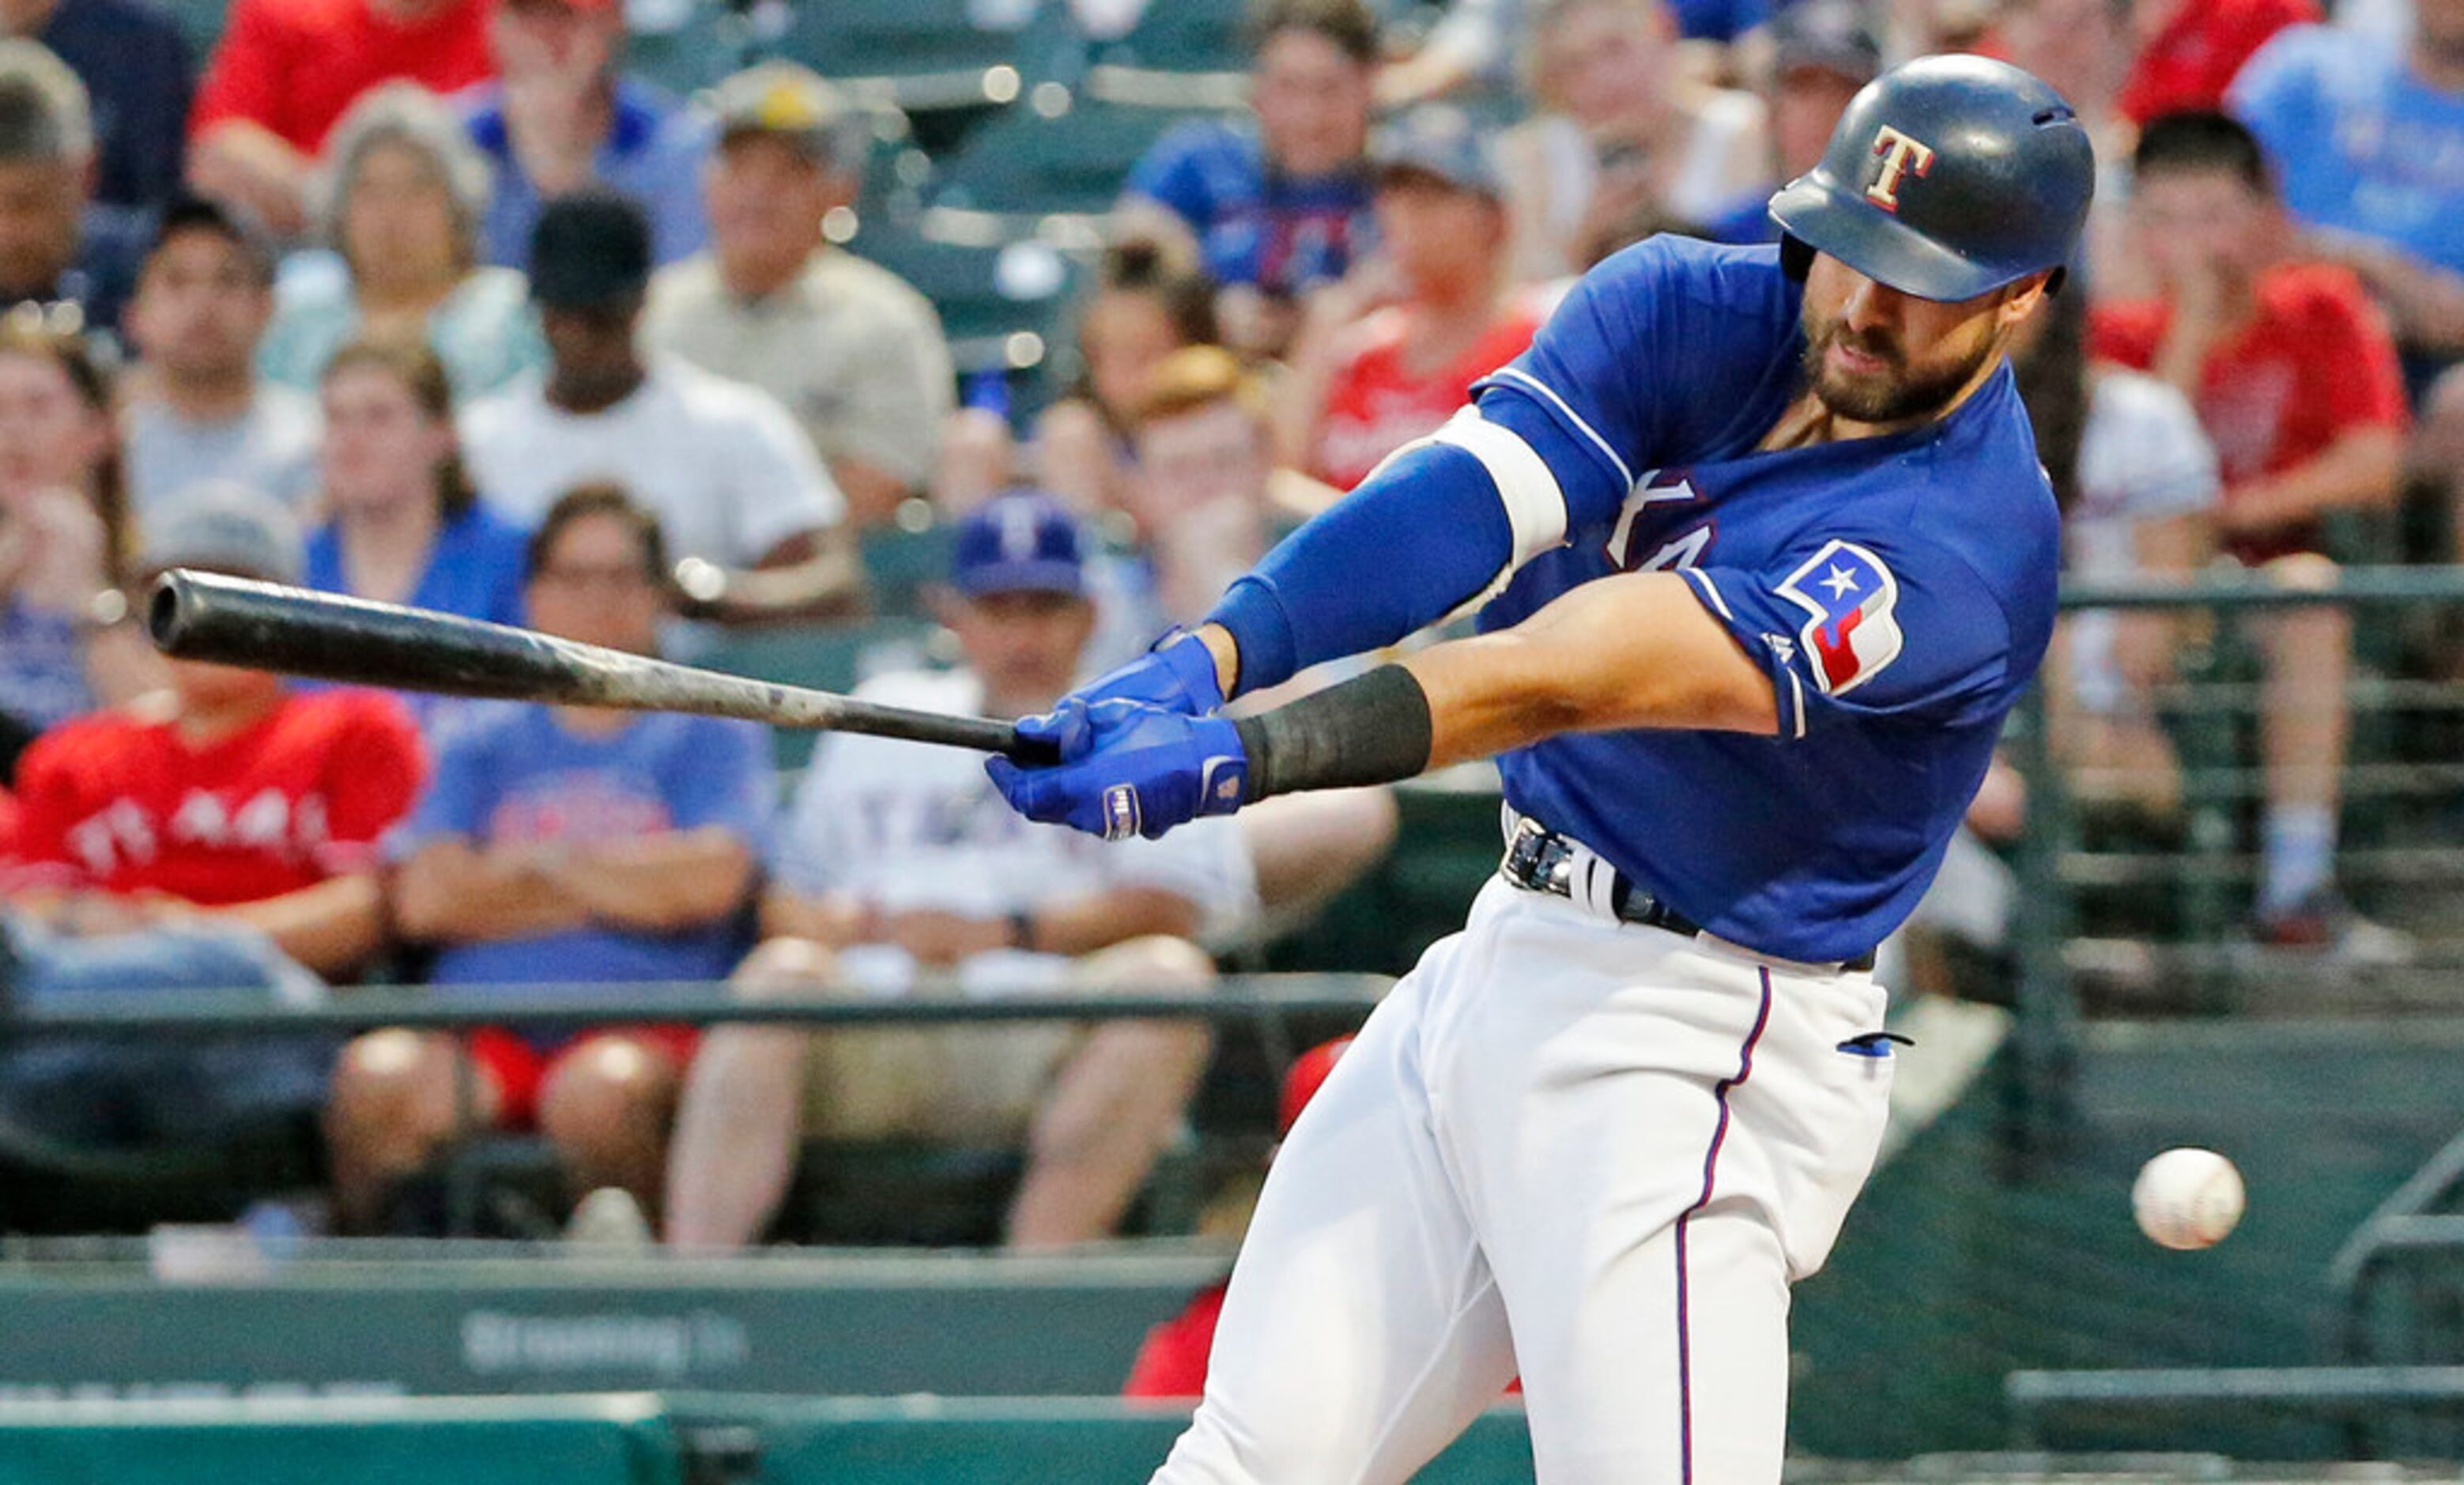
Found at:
<point>1066,727</point>
<point>1177,674</point>
<point>1138,770</point>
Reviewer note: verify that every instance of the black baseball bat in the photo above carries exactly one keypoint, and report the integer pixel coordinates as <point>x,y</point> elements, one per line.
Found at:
<point>266,626</point>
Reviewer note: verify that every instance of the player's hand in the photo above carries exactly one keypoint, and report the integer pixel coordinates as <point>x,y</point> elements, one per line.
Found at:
<point>1127,768</point>
<point>1178,674</point>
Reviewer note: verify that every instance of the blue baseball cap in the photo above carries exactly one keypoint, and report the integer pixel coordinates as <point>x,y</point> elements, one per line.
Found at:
<point>1024,541</point>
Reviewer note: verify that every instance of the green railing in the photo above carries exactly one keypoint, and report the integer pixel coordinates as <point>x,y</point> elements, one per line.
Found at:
<point>2199,967</point>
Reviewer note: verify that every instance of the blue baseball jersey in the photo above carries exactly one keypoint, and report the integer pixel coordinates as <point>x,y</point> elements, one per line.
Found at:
<point>1899,590</point>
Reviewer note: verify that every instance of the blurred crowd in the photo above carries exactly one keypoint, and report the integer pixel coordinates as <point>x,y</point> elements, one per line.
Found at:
<point>437,301</point>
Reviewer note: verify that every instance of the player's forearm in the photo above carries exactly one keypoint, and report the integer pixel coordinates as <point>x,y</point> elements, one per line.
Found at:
<point>2360,469</point>
<point>661,883</point>
<point>1633,651</point>
<point>1637,651</point>
<point>1443,523</point>
<point>1408,548</point>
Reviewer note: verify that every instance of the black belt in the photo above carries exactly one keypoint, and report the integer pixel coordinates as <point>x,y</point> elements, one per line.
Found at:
<point>1539,859</point>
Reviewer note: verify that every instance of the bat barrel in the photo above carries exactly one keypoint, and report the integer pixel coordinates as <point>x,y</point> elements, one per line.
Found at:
<point>234,621</point>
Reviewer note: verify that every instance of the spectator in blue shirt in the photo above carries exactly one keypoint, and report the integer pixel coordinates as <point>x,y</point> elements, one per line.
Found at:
<point>137,70</point>
<point>407,524</point>
<point>2369,147</point>
<point>559,118</point>
<point>564,845</point>
<point>1282,206</point>
<point>2368,142</point>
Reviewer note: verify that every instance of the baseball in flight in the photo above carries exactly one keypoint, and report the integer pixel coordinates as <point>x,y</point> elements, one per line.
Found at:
<point>2187,1198</point>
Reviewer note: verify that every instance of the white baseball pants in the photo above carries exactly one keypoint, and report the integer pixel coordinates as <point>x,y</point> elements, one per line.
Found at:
<point>1591,1152</point>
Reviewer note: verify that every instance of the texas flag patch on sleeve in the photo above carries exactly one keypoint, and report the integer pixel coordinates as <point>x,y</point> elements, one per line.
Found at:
<point>1850,633</point>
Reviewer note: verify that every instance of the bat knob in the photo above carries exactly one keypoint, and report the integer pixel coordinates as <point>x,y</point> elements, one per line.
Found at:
<point>169,604</point>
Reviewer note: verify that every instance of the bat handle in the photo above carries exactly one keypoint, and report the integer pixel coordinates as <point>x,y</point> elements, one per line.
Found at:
<point>1033,752</point>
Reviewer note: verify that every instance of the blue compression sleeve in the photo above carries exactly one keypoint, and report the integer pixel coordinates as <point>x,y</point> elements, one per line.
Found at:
<point>1414,543</point>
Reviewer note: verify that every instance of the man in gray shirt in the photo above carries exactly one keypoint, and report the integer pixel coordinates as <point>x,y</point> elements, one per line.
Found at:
<point>850,349</point>
<point>196,409</point>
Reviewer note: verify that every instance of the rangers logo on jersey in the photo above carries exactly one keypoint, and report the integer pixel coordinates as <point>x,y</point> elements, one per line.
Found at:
<point>1850,635</point>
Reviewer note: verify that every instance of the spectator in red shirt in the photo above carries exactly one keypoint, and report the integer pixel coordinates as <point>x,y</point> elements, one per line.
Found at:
<point>220,833</point>
<point>1365,381</point>
<point>2296,381</point>
<point>2190,50</point>
<point>286,70</point>
<point>226,791</point>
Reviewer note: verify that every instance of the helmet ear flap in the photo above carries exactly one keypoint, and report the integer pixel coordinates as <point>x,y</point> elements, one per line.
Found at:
<point>1796,257</point>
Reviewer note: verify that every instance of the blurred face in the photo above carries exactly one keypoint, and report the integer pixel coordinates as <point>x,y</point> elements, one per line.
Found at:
<point>590,350</point>
<point>398,223</point>
<point>39,202</point>
<point>595,585</point>
<point>1024,646</point>
<point>2201,221</point>
<point>49,437</point>
<point>1876,354</point>
<point>532,38</point>
<point>1806,103</point>
<point>766,200</point>
<point>1313,102</point>
<point>380,444</point>
<point>2074,45</point>
<point>1209,455</point>
<point>1442,239</point>
<point>200,307</point>
<point>1123,335</point>
<point>220,688</point>
<point>2438,29</point>
<point>1604,62</point>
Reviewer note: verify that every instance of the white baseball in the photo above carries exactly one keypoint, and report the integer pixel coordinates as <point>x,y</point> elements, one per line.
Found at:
<point>2187,1198</point>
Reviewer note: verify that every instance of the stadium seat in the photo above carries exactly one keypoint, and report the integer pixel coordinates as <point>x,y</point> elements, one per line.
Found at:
<point>919,1194</point>
<point>706,45</point>
<point>899,566</point>
<point>1182,35</point>
<point>50,1187</point>
<point>1021,161</point>
<point>936,53</point>
<point>1002,305</point>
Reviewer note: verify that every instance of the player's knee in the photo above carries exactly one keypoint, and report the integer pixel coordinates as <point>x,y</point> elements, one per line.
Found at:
<point>784,970</point>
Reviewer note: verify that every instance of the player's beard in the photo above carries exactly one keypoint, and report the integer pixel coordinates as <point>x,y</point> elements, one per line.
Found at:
<point>1900,393</point>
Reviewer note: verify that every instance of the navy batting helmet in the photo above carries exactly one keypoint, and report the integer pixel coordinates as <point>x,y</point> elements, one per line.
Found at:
<point>1947,177</point>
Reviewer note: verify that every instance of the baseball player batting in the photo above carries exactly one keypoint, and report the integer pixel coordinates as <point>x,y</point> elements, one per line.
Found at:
<point>1764,556</point>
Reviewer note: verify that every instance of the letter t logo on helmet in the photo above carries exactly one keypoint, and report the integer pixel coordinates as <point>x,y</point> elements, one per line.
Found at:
<point>1900,155</point>
<point>2007,175</point>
